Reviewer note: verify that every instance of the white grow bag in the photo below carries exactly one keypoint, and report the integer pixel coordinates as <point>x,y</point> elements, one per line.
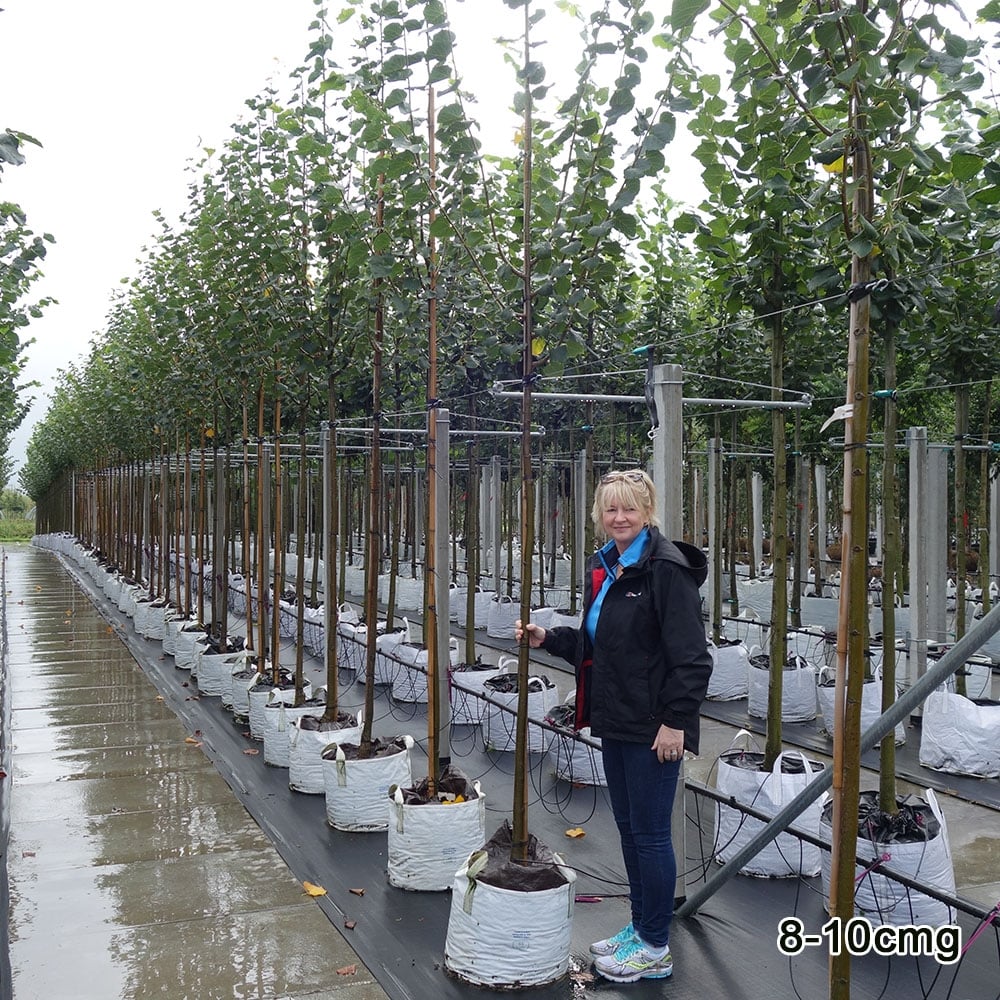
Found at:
<point>410,683</point>
<point>209,668</point>
<point>883,900</point>
<point>387,663</point>
<point>768,792</point>
<point>481,609</point>
<point>305,754</point>
<point>278,720</point>
<point>261,697</point>
<point>466,684</point>
<point>505,938</point>
<point>959,736</point>
<point>730,677</point>
<point>429,842</point>
<point>499,725</point>
<point>871,702</point>
<point>578,762</point>
<point>357,790</point>
<point>503,612</point>
<point>798,689</point>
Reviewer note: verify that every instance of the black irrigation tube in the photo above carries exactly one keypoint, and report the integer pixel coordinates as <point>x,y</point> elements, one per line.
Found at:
<point>966,906</point>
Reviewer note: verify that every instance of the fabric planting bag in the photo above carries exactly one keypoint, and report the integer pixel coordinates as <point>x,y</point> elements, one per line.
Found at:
<point>871,701</point>
<point>240,665</point>
<point>388,659</point>
<point>921,850</point>
<point>959,736</point>
<point>730,677</point>
<point>313,631</point>
<point>428,841</point>
<point>502,937</point>
<point>264,694</point>
<point>409,593</point>
<point>573,758</point>
<point>410,683</point>
<point>209,668</point>
<point>278,719</point>
<point>307,741</point>
<point>349,653</point>
<point>741,777</point>
<point>798,690</point>
<point>466,685</point>
<point>500,713</point>
<point>503,612</point>
<point>357,790</point>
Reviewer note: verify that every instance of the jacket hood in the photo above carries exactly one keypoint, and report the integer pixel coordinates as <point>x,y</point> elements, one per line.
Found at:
<point>682,553</point>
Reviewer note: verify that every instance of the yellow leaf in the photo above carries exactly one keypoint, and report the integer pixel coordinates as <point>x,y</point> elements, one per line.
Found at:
<point>537,347</point>
<point>191,739</point>
<point>837,167</point>
<point>313,890</point>
<point>576,832</point>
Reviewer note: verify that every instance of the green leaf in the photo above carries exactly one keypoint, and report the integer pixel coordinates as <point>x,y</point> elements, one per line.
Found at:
<point>860,246</point>
<point>684,13</point>
<point>965,166</point>
<point>441,228</point>
<point>434,12</point>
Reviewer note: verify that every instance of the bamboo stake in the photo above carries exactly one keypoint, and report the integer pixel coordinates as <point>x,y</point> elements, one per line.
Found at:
<point>430,535</point>
<point>853,607</point>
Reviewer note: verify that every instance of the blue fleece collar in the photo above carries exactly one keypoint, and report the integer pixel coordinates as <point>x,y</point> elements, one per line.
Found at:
<point>628,558</point>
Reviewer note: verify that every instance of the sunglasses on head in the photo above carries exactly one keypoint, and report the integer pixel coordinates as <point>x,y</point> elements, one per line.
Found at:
<point>631,477</point>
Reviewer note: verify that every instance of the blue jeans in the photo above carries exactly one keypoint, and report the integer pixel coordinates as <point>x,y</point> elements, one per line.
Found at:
<point>642,798</point>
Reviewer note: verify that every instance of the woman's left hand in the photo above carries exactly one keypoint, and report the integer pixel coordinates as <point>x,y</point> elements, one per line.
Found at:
<point>668,745</point>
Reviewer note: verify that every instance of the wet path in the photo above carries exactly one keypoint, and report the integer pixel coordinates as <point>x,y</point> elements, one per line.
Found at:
<point>133,871</point>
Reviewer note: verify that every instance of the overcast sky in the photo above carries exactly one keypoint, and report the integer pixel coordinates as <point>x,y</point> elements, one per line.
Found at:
<point>124,93</point>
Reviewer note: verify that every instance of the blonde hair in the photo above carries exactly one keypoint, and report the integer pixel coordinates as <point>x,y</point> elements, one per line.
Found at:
<point>631,487</point>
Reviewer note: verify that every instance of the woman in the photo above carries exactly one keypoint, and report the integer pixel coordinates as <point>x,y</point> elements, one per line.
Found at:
<point>642,668</point>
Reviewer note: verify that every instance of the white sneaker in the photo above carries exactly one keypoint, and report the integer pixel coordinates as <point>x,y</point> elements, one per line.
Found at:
<point>631,962</point>
<point>610,945</point>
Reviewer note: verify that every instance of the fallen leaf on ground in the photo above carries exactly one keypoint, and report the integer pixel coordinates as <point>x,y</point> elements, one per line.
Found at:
<point>27,854</point>
<point>190,739</point>
<point>347,970</point>
<point>313,890</point>
<point>576,832</point>
<point>357,892</point>
<point>251,752</point>
<point>350,924</point>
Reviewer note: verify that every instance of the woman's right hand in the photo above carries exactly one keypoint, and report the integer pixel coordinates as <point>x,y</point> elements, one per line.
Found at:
<point>536,634</point>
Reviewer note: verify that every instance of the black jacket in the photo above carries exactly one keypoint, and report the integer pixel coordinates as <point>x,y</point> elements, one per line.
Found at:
<point>650,663</point>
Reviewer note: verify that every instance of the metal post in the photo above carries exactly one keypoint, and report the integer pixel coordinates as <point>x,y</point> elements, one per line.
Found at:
<point>714,490</point>
<point>496,492</point>
<point>668,474</point>
<point>420,517</point>
<point>329,607</point>
<point>485,522</point>
<point>757,488</point>
<point>442,502</point>
<point>698,505</point>
<point>937,542</point>
<point>883,727</point>
<point>823,567</point>
<point>668,453</point>
<point>801,526</point>
<point>916,659</point>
